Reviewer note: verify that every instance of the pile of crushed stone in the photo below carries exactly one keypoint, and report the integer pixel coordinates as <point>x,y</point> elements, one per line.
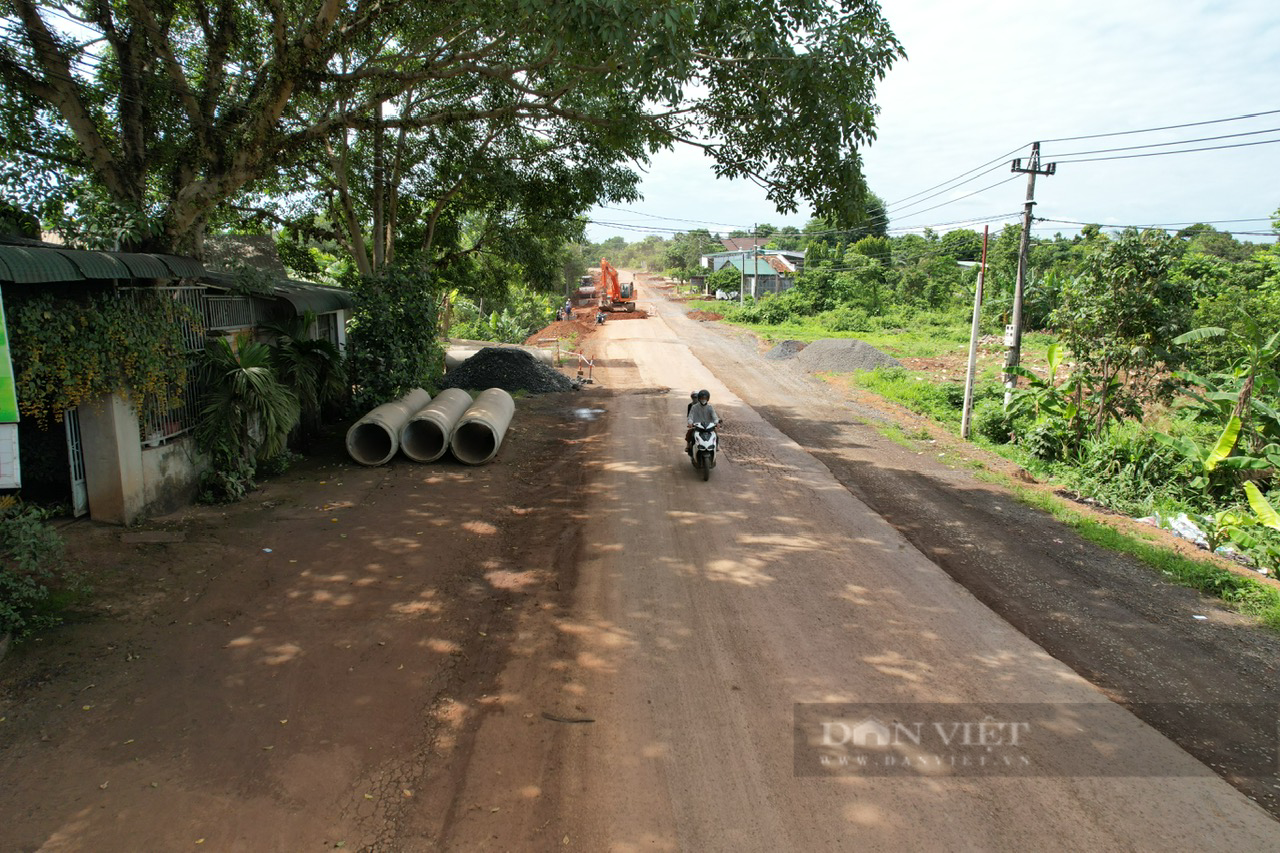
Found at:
<point>843,355</point>
<point>786,349</point>
<point>509,369</point>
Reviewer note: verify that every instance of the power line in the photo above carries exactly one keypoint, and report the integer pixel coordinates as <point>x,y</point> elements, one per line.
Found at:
<point>1166,127</point>
<point>1165,153</point>
<point>997,161</point>
<point>968,195</point>
<point>1176,142</point>
<point>951,187</point>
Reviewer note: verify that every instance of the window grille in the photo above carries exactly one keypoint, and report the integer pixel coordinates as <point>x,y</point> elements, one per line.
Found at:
<point>229,312</point>
<point>158,428</point>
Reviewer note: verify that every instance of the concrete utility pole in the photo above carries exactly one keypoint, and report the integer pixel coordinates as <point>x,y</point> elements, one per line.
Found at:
<point>973,339</point>
<point>1013,332</point>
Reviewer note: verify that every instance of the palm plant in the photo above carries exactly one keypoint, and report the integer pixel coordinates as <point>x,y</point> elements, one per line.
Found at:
<point>311,367</point>
<point>246,413</point>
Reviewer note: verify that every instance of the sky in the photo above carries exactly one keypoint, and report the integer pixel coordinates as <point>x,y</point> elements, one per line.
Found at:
<point>983,80</point>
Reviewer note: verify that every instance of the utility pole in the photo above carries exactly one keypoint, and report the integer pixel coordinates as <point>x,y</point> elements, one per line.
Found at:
<point>1013,332</point>
<point>973,340</point>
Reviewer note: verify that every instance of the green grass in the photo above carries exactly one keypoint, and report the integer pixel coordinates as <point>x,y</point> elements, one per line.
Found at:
<point>913,391</point>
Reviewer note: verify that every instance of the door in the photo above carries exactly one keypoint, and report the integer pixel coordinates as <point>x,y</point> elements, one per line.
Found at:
<point>75,455</point>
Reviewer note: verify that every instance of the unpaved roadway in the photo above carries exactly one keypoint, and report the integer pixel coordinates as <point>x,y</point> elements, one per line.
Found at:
<point>584,647</point>
<point>704,612</point>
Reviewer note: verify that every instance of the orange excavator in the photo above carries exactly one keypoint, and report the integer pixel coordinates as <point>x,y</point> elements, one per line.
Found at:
<point>615,296</point>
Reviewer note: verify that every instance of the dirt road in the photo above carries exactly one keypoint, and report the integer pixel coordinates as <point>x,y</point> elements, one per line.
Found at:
<point>584,647</point>
<point>705,612</point>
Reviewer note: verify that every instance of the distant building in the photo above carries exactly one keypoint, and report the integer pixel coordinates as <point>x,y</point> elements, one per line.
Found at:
<point>763,270</point>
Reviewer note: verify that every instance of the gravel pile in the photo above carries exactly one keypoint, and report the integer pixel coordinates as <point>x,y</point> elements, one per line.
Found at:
<point>509,369</point>
<point>786,349</point>
<point>843,355</point>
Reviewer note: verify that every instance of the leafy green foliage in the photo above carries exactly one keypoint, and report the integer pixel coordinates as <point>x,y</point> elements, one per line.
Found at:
<point>394,343</point>
<point>310,367</point>
<point>246,415</point>
<point>30,564</point>
<point>1119,318</point>
<point>70,352</point>
<point>190,118</point>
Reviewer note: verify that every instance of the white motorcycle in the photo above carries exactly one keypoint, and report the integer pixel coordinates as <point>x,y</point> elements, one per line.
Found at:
<point>703,450</point>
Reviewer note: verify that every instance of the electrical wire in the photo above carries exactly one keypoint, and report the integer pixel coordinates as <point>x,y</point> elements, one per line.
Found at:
<point>997,160</point>
<point>1166,127</point>
<point>1162,144</point>
<point>967,195</point>
<point>1166,153</point>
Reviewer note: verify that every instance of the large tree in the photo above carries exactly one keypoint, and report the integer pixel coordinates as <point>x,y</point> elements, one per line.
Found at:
<point>179,115</point>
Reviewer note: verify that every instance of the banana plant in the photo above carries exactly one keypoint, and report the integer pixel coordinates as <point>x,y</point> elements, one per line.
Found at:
<point>1207,459</point>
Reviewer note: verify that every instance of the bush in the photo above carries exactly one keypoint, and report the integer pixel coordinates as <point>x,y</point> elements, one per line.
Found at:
<point>30,556</point>
<point>846,318</point>
<point>1130,471</point>
<point>990,421</point>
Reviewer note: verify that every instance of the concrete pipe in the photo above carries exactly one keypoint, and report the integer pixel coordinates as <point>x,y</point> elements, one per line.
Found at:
<point>425,436</point>
<point>375,438</point>
<point>479,433</point>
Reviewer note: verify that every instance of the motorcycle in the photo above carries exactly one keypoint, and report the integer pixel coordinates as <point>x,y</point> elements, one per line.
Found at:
<point>702,452</point>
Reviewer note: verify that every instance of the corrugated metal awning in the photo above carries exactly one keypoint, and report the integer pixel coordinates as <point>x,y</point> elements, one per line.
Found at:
<point>314,297</point>
<point>47,265</point>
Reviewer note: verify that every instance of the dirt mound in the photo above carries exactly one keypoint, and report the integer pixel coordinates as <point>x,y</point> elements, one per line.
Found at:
<point>623,315</point>
<point>843,355</point>
<point>704,316</point>
<point>509,369</point>
<point>785,349</point>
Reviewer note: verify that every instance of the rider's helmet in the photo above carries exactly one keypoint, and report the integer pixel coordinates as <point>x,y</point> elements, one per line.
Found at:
<point>704,396</point>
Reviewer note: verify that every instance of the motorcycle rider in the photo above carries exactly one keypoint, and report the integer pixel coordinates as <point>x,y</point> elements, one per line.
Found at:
<point>700,411</point>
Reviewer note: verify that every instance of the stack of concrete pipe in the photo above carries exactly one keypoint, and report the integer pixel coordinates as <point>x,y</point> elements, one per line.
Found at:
<point>424,428</point>
<point>375,438</point>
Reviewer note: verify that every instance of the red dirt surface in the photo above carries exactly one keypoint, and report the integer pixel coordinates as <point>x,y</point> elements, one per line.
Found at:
<point>303,670</point>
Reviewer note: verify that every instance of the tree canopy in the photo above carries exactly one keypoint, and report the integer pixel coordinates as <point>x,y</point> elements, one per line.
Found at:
<point>171,118</point>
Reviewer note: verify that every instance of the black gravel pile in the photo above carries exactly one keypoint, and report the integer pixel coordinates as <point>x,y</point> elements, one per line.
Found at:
<point>509,369</point>
<point>785,349</point>
<point>843,355</point>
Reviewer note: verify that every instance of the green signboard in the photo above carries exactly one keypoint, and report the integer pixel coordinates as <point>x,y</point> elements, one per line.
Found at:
<point>8,393</point>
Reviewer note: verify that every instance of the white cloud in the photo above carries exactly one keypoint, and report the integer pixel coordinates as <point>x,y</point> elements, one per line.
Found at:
<point>983,79</point>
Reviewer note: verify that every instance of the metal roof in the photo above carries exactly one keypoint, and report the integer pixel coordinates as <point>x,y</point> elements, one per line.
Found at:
<point>315,297</point>
<point>753,266</point>
<point>32,264</point>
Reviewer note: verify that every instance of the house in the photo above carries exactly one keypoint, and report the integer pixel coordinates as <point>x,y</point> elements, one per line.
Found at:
<point>105,458</point>
<point>762,270</point>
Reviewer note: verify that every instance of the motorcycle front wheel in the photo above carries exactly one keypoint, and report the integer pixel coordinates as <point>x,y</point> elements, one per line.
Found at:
<point>704,462</point>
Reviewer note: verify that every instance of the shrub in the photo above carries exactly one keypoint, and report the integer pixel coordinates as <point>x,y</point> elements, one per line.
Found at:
<point>30,556</point>
<point>846,318</point>
<point>990,421</point>
<point>1130,471</point>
